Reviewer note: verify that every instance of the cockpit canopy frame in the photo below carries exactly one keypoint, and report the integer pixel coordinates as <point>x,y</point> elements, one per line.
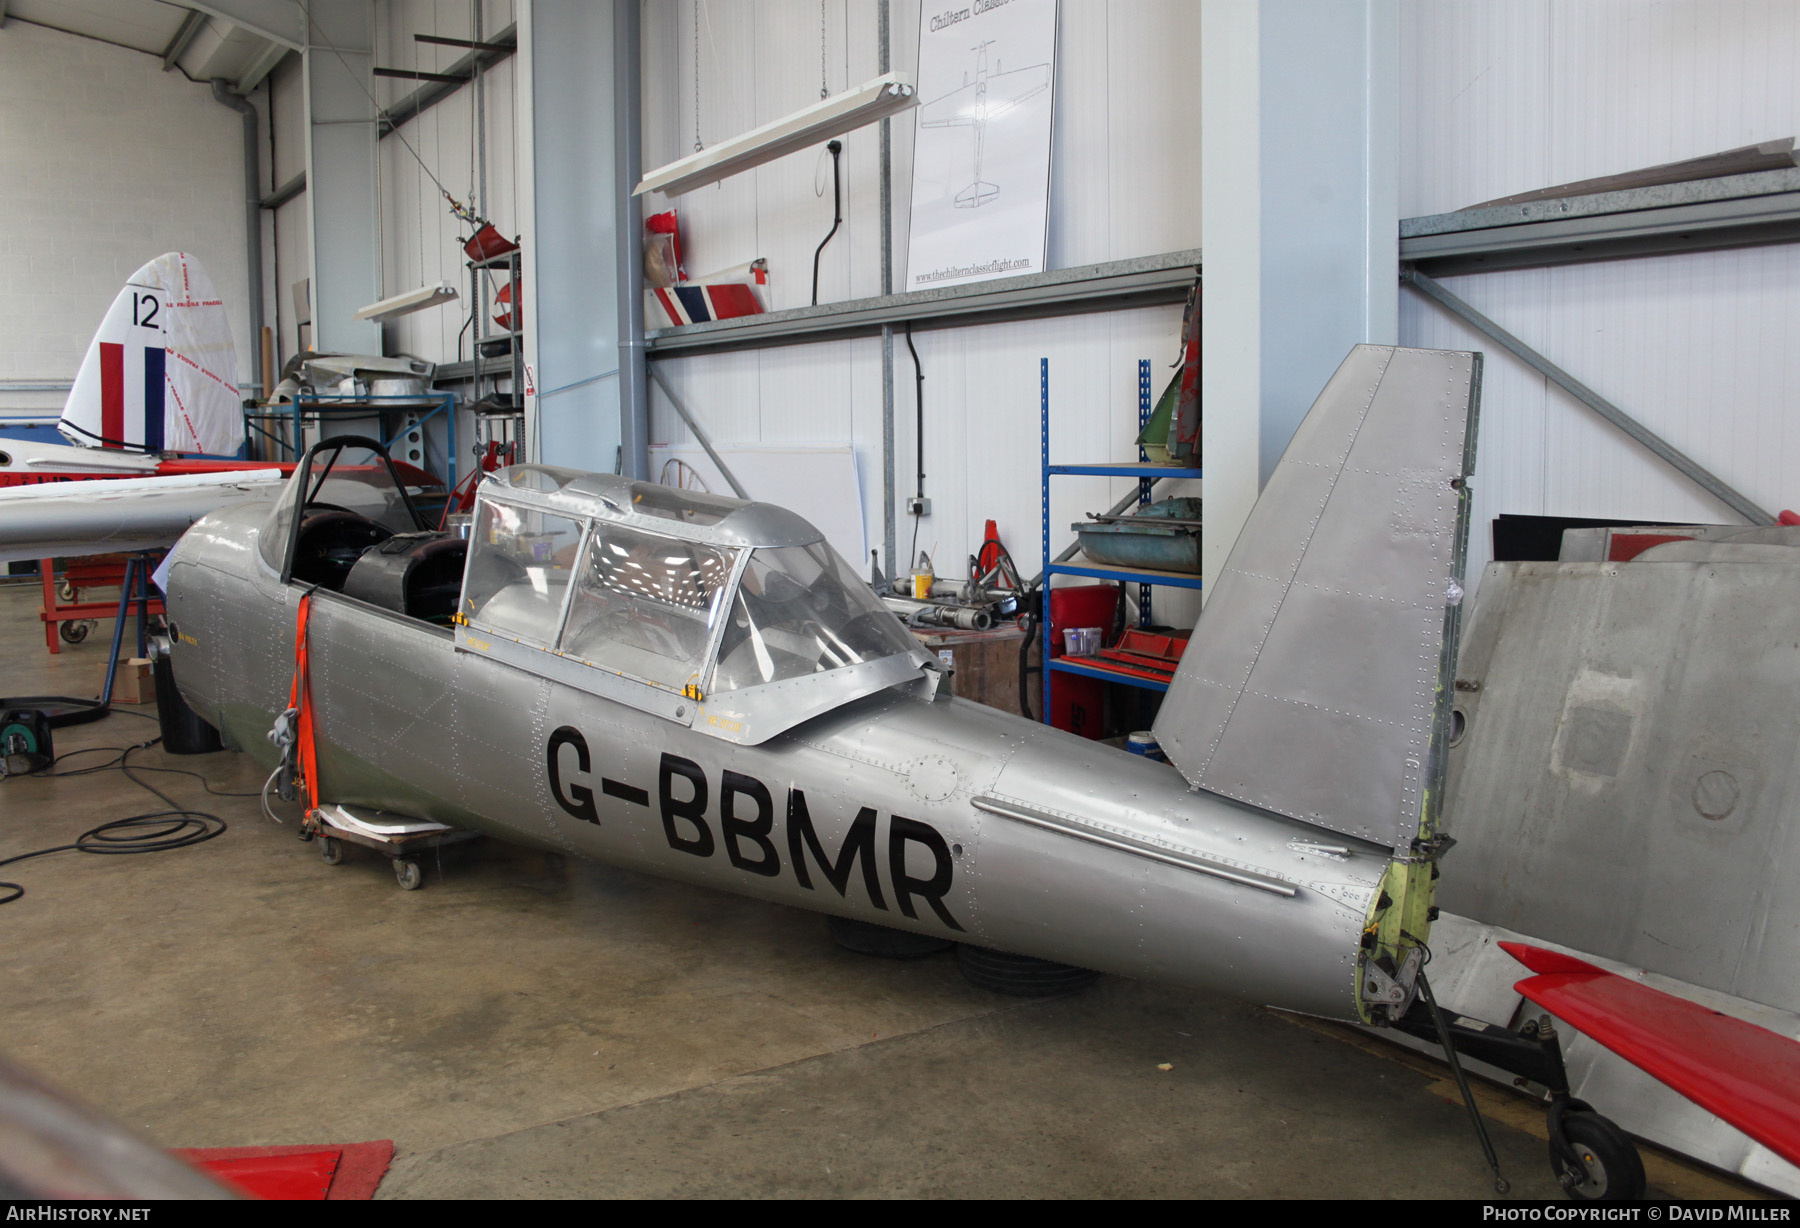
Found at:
<point>732,617</point>
<point>322,480</point>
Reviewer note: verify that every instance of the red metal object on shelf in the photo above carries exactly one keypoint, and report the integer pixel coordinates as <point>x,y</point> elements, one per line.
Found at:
<point>1142,654</point>
<point>1747,1075</point>
<point>1165,650</point>
<point>95,571</point>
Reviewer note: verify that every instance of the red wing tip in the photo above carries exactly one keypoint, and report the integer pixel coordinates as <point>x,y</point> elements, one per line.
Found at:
<point>1542,961</point>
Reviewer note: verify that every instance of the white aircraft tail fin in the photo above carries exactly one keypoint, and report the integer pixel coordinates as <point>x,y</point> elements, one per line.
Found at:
<point>161,374</point>
<point>1318,680</point>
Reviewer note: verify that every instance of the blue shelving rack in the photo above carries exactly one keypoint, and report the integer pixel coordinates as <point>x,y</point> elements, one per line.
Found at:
<point>1144,577</point>
<point>308,408</point>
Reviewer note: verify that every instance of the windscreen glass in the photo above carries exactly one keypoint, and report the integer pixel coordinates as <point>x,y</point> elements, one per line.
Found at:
<point>801,610</point>
<point>646,605</point>
<point>520,561</point>
<point>352,478</point>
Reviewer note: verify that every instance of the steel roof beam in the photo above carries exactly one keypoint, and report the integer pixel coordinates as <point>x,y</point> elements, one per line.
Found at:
<point>1659,447</point>
<point>279,21</point>
<point>190,26</point>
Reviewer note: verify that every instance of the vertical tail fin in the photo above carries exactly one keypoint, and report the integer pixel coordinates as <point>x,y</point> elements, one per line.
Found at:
<point>1317,683</point>
<point>162,371</point>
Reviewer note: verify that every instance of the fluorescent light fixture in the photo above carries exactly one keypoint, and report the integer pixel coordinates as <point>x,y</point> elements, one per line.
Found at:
<point>411,301</point>
<point>828,117</point>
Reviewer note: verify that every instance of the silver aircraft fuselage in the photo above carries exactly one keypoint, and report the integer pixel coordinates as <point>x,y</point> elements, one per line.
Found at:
<point>698,688</point>
<point>930,814</point>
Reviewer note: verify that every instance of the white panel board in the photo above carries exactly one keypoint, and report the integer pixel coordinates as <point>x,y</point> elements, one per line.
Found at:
<point>1497,99</point>
<point>981,136</point>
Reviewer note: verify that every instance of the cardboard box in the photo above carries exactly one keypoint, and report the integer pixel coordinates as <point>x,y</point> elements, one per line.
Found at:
<point>134,682</point>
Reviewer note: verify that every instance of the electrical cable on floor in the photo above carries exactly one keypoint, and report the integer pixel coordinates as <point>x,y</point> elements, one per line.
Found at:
<point>152,832</point>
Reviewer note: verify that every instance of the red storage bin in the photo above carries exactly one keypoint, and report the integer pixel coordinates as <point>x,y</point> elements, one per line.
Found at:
<point>1076,704</point>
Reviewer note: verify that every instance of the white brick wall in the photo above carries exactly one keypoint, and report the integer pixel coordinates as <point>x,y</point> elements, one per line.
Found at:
<point>106,162</point>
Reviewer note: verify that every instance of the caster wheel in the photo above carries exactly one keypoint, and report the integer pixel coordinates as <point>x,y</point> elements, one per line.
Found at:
<point>407,874</point>
<point>1022,976</point>
<point>65,593</point>
<point>73,633</point>
<point>1606,1166</point>
<point>866,938</point>
<point>331,851</point>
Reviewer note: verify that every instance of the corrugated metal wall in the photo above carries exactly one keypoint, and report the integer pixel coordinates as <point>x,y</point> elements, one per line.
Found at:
<point>421,241</point>
<point>981,418</point>
<point>1125,182</point>
<point>1495,99</point>
<point>1498,99</point>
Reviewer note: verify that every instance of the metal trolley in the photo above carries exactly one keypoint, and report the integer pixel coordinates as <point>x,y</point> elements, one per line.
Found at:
<point>402,841</point>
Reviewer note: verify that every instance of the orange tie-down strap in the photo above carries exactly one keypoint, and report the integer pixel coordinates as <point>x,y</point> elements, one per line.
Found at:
<point>300,697</point>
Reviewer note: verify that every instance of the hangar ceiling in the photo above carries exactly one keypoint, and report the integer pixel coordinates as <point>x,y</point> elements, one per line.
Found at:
<point>201,45</point>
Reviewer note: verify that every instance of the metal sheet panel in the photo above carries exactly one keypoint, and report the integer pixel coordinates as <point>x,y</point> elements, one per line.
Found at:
<point>1626,782</point>
<point>1311,687</point>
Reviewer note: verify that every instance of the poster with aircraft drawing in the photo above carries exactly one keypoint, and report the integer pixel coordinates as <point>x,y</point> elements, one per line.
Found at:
<point>981,141</point>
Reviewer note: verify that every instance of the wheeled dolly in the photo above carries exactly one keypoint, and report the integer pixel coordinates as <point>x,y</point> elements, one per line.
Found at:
<point>403,848</point>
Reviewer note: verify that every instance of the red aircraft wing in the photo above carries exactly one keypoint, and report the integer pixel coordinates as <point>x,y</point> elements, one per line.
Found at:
<point>1746,1075</point>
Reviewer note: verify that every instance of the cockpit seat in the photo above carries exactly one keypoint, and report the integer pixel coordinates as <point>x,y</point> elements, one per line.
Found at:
<point>416,574</point>
<point>329,543</point>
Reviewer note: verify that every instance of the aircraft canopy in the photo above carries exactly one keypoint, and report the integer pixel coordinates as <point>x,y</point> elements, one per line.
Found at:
<point>650,595</point>
<point>687,513</point>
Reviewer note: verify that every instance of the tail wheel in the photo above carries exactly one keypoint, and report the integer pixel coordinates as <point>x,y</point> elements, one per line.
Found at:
<point>1603,1164</point>
<point>866,938</point>
<point>1022,976</point>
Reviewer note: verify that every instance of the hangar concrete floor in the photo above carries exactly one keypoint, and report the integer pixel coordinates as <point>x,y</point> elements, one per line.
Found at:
<point>526,1028</point>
